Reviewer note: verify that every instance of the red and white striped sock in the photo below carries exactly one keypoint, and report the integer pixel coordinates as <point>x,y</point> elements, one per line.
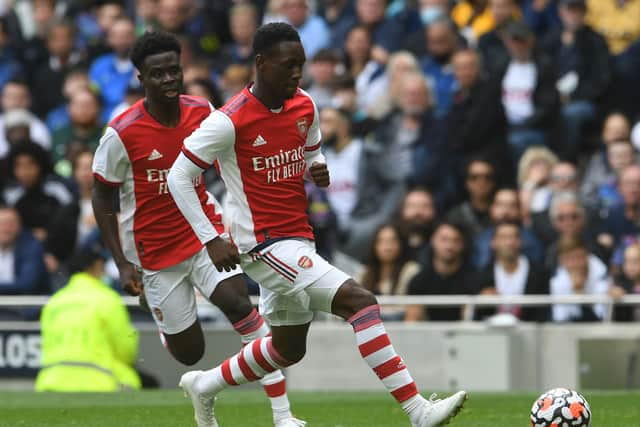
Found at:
<point>376,349</point>
<point>251,328</point>
<point>257,359</point>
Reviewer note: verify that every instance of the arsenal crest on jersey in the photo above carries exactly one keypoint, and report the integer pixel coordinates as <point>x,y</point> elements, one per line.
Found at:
<point>302,125</point>
<point>305,262</point>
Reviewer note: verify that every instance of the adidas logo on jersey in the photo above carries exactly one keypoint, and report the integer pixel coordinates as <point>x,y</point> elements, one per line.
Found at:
<point>155,155</point>
<point>259,141</point>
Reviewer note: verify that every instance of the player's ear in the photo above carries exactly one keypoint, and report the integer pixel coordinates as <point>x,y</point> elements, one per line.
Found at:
<point>259,61</point>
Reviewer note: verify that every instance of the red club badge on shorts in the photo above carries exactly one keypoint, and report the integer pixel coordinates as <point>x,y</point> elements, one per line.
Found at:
<point>305,262</point>
<point>158,313</point>
<point>302,125</point>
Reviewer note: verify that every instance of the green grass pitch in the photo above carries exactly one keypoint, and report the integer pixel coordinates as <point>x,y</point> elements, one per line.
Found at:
<point>250,409</point>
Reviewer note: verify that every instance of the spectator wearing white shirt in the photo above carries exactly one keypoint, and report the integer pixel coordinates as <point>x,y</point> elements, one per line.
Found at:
<point>512,273</point>
<point>579,273</point>
<point>529,96</point>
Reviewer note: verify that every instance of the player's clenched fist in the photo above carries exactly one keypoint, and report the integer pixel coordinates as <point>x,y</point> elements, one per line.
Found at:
<point>319,174</point>
<point>130,279</point>
<point>223,254</point>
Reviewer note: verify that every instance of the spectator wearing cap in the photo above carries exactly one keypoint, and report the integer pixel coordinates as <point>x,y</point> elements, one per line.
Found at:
<point>491,44</point>
<point>582,75</point>
<point>35,194</point>
<point>314,32</point>
<point>84,131</point>
<point>22,268</point>
<point>529,95</point>
<point>476,125</point>
<point>323,69</point>
<point>113,72</point>
<point>367,184</point>
<point>48,80</point>
<point>15,96</point>
<point>88,341</point>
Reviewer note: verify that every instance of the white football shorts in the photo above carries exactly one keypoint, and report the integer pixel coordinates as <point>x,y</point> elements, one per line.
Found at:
<point>171,295</point>
<point>294,281</point>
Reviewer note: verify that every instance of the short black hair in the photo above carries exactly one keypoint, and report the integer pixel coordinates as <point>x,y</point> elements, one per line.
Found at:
<point>153,43</point>
<point>271,34</point>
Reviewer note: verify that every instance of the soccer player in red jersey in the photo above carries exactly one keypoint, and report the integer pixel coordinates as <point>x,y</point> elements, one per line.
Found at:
<point>158,253</point>
<point>266,140</point>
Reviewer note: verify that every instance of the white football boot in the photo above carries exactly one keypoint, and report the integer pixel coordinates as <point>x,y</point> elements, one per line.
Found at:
<point>202,404</point>
<point>438,412</point>
<point>290,422</point>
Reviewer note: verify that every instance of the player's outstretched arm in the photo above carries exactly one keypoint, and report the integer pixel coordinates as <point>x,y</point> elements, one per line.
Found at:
<point>103,200</point>
<point>223,254</point>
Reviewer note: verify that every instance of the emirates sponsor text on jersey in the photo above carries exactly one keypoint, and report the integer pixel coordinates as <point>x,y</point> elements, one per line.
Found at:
<point>282,165</point>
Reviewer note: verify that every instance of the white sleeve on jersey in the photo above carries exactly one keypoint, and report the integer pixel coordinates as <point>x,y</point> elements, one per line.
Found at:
<point>180,181</point>
<point>215,135</point>
<point>111,161</point>
<point>312,152</point>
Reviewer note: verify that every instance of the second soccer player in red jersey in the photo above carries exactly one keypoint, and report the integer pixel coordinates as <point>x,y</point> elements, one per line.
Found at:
<point>158,253</point>
<point>266,140</point>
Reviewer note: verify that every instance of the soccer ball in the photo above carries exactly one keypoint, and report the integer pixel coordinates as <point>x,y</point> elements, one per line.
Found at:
<point>561,407</point>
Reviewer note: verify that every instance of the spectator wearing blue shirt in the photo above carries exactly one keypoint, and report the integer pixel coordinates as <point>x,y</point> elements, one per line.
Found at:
<point>313,31</point>
<point>113,72</point>
<point>442,42</point>
<point>541,15</point>
<point>22,268</point>
<point>505,207</point>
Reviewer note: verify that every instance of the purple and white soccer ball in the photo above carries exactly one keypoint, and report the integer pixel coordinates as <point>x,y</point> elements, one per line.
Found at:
<point>561,407</point>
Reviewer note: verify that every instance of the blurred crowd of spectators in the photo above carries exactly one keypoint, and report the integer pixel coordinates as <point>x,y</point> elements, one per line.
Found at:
<point>475,146</point>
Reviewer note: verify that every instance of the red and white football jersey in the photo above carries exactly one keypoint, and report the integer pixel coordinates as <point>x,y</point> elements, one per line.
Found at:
<point>261,158</point>
<point>135,154</point>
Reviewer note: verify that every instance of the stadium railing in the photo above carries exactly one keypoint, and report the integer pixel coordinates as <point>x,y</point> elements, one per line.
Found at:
<point>469,302</point>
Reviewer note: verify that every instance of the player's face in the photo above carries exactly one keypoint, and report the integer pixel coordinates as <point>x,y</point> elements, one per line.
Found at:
<point>281,68</point>
<point>161,76</point>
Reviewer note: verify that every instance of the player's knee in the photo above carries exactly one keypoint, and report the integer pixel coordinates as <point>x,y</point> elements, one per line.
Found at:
<point>190,357</point>
<point>232,299</point>
<point>186,353</point>
<point>292,351</point>
<point>351,298</point>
